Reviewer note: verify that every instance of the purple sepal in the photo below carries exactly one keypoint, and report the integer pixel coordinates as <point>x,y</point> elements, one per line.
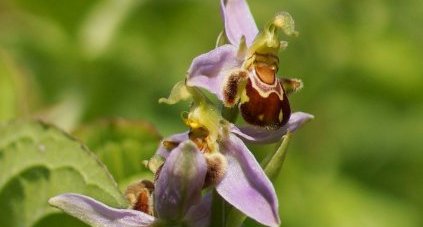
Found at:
<point>238,21</point>
<point>246,186</point>
<point>180,182</point>
<point>96,213</point>
<point>199,215</point>
<point>177,138</point>
<point>255,134</point>
<point>209,70</point>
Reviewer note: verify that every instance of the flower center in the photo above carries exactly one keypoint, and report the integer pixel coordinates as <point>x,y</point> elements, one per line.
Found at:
<point>200,136</point>
<point>205,127</point>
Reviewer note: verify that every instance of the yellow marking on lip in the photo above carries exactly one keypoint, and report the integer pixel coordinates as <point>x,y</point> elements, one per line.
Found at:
<point>244,97</point>
<point>280,116</point>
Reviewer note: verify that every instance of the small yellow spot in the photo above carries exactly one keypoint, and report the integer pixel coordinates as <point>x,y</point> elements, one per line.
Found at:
<point>261,117</point>
<point>279,21</point>
<point>244,96</point>
<point>280,116</point>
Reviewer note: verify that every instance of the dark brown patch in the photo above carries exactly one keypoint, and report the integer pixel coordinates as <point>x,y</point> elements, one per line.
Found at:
<point>142,203</point>
<point>230,90</point>
<point>216,169</point>
<point>140,195</point>
<point>149,185</point>
<point>199,136</point>
<point>264,112</point>
<point>169,145</point>
<point>290,85</point>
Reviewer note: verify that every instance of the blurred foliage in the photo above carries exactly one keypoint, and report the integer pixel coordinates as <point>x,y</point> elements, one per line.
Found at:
<point>37,162</point>
<point>122,145</point>
<point>357,164</point>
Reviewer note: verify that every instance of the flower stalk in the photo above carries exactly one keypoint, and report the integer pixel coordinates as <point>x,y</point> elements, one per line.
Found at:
<point>207,176</point>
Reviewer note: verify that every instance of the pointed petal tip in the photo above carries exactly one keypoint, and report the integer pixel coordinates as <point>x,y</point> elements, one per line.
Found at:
<point>59,200</point>
<point>238,21</point>
<point>96,213</point>
<point>53,201</point>
<point>301,118</point>
<point>179,93</point>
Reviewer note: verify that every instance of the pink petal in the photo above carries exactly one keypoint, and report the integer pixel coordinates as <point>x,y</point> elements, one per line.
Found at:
<point>238,21</point>
<point>177,138</point>
<point>246,186</point>
<point>261,135</point>
<point>96,213</point>
<point>180,182</point>
<point>210,70</point>
<point>199,215</point>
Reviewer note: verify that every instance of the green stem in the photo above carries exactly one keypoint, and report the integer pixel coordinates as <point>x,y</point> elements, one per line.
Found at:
<point>218,218</point>
<point>234,218</point>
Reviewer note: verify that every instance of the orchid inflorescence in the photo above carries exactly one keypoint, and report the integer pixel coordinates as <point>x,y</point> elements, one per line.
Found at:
<point>211,159</point>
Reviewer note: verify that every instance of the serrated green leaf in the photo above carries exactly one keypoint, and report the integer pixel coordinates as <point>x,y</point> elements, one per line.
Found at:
<point>38,161</point>
<point>122,145</point>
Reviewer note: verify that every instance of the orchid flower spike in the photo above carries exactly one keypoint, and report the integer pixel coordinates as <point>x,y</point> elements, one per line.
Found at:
<point>243,72</point>
<point>177,197</point>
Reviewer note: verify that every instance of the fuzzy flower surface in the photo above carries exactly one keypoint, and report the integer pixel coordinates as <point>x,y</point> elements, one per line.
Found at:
<point>177,193</point>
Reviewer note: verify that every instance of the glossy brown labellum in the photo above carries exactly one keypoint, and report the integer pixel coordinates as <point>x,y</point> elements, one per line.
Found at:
<point>271,111</point>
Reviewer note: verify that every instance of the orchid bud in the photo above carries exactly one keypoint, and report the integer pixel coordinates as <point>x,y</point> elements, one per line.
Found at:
<point>179,184</point>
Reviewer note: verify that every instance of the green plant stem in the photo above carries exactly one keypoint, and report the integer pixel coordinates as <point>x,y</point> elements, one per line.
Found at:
<point>218,217</point>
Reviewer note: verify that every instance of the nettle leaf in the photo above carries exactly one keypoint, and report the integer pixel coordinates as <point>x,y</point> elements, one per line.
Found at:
<point>38,161</point>
<point>122,145</point>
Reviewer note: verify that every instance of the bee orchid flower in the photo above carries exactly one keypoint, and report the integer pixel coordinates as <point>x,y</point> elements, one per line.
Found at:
<point>243,72</point>
<point>177,197</point>
<point>231,168</point>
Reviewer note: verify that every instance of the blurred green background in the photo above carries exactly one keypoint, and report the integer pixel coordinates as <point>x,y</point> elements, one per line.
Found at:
<point>359,163</point>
